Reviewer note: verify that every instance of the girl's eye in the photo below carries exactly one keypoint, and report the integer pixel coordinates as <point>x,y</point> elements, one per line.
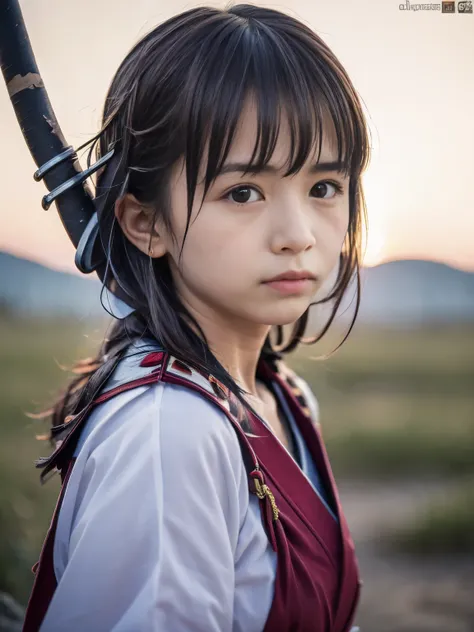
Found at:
<point>321,189</point>
<point>242,195</point>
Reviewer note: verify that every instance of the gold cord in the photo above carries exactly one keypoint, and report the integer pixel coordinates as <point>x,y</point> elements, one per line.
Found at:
<point>264,490</point>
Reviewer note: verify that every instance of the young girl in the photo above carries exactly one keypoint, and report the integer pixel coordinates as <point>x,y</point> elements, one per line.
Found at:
<point>197,493</point>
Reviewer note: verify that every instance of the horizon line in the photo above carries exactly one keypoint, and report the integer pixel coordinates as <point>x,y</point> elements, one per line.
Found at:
<point>72,270</point>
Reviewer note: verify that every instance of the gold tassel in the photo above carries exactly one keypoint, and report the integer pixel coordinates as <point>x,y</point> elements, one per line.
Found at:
<point>264,490</point>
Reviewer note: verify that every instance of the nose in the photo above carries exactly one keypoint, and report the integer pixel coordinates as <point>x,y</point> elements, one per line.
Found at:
<point>293,227</point>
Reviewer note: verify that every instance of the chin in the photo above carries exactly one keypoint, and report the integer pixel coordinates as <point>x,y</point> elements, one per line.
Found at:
<point>285,314</point>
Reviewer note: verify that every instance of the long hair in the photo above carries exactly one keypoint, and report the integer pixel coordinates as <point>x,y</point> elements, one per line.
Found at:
<point>179,90</point>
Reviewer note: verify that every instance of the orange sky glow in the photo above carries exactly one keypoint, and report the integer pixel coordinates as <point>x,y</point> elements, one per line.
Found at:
<point>411,69</point>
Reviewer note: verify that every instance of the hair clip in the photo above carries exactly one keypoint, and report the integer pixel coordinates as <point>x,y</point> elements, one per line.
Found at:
<point>72,182</point>
<point>50,164</point>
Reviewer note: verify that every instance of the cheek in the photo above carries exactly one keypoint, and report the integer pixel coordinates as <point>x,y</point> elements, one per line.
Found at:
<point>342,219</point>
<point>207,255</point>
<point>215,241</point>
<point>336,223</point>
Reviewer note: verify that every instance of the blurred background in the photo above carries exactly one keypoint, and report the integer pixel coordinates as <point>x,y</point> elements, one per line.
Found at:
<point>396,401</point>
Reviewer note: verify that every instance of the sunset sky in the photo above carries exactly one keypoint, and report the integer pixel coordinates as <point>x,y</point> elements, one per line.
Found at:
<point>414,71</point>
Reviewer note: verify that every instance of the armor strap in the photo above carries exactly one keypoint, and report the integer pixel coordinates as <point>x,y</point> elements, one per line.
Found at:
<point>149,364</point>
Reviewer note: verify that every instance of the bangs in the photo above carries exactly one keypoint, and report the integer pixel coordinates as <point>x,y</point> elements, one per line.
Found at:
<point>290,75</point>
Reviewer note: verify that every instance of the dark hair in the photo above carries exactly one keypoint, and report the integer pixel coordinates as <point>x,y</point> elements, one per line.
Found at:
<point>182,85</point>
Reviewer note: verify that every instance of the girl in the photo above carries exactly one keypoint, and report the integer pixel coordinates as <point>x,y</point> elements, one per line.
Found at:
<point>197,494</point>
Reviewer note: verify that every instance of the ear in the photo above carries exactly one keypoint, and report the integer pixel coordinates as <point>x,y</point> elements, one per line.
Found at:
<point>135,220</point>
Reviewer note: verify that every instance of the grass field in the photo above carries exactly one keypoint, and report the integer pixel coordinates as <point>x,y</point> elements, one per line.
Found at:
<point>30,376</point>
<point>393,404</point>
<point>397,403</point>
<point>448,522</point>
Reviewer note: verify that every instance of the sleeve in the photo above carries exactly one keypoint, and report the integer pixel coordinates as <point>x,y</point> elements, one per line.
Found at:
<point>156,521</point>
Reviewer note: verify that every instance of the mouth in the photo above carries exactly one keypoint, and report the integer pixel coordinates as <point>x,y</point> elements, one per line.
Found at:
<point>292,282</point>
<point>293,275</point>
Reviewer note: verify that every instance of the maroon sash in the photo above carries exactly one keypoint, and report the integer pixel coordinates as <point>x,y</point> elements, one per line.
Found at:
<point>317,584</point>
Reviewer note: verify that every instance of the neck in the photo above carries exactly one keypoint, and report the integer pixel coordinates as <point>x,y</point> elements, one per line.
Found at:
<point>237,349</point>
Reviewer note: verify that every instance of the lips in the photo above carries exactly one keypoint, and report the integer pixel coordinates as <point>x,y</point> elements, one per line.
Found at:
<point>292,275</point>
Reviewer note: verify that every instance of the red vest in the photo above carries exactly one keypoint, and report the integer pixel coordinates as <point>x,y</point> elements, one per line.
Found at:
<point>317,584</point>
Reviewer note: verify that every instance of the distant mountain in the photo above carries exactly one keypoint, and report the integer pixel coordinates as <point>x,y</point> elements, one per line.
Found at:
<point>398,293</point>
<point>32,288</point>
<point>408,293</point>
<point>415,292</point>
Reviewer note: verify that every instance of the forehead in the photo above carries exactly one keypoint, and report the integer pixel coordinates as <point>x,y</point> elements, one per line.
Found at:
<point>243,143</point>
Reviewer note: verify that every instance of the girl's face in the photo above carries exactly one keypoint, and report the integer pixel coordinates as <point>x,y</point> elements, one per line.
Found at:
<point>253,228</point>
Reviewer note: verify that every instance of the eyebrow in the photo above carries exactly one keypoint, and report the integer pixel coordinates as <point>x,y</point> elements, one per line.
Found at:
<point>241,167</point>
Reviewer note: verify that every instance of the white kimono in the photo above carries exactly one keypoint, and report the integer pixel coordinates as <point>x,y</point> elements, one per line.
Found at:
<point>157,530</point>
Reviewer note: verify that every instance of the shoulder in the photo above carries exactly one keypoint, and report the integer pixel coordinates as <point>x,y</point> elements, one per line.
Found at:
<point>191,419</point>
<point>301,388</point>
<point>310,397</point>
<point>172,418</point>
